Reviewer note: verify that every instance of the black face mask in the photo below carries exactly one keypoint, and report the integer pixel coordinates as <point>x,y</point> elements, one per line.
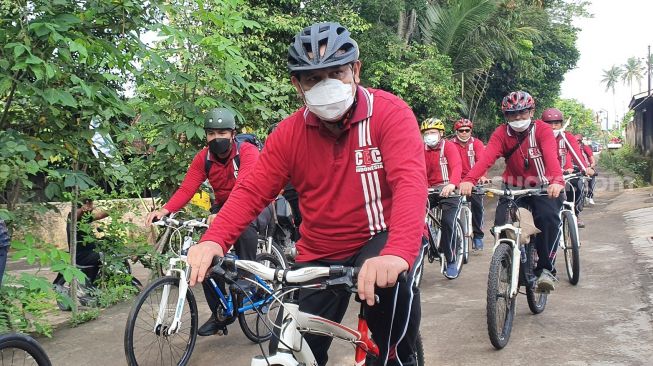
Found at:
<point>219,146</point>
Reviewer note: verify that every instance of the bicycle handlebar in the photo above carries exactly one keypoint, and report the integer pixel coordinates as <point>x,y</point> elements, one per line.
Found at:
<point>169,221</point>
<point>507,192</point>
<point>338,275</point>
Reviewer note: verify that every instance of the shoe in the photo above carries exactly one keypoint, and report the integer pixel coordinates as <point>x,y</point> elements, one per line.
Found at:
<point>591,201</point>
<point>477,244</point>
<point>545,282</point>
<point>580,223</point>
<point>210,328</point>
<point>451,272</point>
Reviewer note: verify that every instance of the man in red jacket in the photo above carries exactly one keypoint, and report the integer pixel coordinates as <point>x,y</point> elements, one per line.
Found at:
<point>529,150</point>
<point>355,157</point>
<point>570,157</point>
<point>225,171</point>
<point>591,162</point>
<point>443,170</point>
<point>471,150</point>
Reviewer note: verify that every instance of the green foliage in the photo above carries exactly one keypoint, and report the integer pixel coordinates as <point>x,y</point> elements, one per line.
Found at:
<point>629,163</point>
<point>29,298</point>
<point>420,76</point>
<point>582,118</point>
<point>83,317</point>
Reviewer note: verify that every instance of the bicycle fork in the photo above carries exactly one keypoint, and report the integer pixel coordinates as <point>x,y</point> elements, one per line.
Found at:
<point>175,324</point>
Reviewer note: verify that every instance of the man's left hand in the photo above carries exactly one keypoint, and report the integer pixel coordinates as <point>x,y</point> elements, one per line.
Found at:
<point>381,271</point>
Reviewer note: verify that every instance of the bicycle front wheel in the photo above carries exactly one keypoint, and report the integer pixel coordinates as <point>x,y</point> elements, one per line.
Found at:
<point>21,349</point>
<point>460,246</point>
<point>465,219</point>
<point>500,305</point>
<point>572,252</point>
<point>147,343</point>
<point>259,310</point>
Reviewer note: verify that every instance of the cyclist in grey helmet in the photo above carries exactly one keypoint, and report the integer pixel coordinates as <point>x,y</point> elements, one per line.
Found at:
<point>355,157</point>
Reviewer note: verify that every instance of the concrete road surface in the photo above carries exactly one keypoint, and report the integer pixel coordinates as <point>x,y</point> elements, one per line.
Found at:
<point>605,320</point>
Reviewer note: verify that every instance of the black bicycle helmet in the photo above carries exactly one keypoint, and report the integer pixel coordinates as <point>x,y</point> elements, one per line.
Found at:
<point>304,52</point>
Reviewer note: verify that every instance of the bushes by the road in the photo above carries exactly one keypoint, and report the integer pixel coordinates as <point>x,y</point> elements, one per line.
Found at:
<point>628,163</point>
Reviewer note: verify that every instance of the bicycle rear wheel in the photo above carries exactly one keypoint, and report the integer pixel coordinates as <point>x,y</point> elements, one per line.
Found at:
<point>572,252</point>
<point>257,323</point>
<point>500,306</point>
<point>149,344</point>
<point>21,349</point>
<point>536,300</point>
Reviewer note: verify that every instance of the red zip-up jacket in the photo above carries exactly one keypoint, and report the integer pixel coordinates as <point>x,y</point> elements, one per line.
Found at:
<point>368,180</point>
<point>566,159</point>
<point>588,153</point>
<point>470,152</point>
<point>543,166</point>
<point>442,169</point>
<point>221,175</point>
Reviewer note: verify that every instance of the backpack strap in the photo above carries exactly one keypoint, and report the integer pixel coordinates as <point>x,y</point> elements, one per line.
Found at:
<point>236,161</point>
<point>443,164</point>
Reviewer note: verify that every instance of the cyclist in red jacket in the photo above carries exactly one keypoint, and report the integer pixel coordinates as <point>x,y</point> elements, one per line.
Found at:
<point>471,150</point>
<point>219,164</point>
<point>356,158</point>
<point>570,157</point>
<point>591,161</point>
<point>529,150</point>
<point>443,168</point>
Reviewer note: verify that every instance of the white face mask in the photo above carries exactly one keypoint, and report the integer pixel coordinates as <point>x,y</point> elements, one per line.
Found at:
<point>520,125</point>
<point>329,99</point>
<point>557,133</point>
<point>432,139</point>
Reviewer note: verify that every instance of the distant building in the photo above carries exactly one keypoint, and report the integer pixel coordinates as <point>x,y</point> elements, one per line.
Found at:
<point>639,132</point>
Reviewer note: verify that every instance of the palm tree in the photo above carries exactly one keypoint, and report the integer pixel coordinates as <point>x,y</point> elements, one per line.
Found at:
<point>633,69</point>
<point>610,79</point>
<point>474,34</point>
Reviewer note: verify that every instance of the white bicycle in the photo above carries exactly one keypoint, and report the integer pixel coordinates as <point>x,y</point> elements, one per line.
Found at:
<point>512,265</point>
<point>288,345</point>
<point>569,240</point>
<point>162,324</point>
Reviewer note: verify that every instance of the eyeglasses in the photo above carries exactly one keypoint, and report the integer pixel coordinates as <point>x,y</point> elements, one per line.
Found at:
<point>464,130</point>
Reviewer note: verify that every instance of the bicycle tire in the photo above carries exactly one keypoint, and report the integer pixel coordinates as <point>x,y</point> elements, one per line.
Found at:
<point>499,327</point>
<point>131,351</point>
<point>536,300</point>
<point>465,213</point>
<point>460,246</point>
<point>572,251</point>
<point>261,329</point>
<point>32,353</point>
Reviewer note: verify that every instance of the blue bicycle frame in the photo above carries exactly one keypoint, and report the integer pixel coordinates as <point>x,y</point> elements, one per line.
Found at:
<point>228,303</point>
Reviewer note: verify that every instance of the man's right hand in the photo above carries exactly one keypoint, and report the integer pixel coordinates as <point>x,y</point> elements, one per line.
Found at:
<point>199,259</point>
<point>155,216</point>
<point>466,188</point>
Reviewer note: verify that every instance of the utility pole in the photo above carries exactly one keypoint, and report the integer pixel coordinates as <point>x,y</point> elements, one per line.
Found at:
<point>648,63</point>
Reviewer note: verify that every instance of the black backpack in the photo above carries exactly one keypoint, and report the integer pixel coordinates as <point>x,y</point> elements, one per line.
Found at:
<point>240,138</point>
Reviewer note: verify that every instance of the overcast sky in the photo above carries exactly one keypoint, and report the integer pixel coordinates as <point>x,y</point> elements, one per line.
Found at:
<point>619,29</point>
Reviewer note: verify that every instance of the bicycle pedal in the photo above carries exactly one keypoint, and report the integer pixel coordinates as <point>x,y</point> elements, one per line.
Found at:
<point>223,331</point>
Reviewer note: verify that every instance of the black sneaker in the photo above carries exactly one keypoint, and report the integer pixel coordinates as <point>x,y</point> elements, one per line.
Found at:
<point>211,327</point>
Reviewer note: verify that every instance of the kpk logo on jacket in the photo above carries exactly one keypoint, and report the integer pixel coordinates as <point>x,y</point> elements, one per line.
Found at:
<point>368,159</point>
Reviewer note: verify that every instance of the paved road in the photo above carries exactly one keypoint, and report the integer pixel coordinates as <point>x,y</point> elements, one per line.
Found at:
<point>605,320</point>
